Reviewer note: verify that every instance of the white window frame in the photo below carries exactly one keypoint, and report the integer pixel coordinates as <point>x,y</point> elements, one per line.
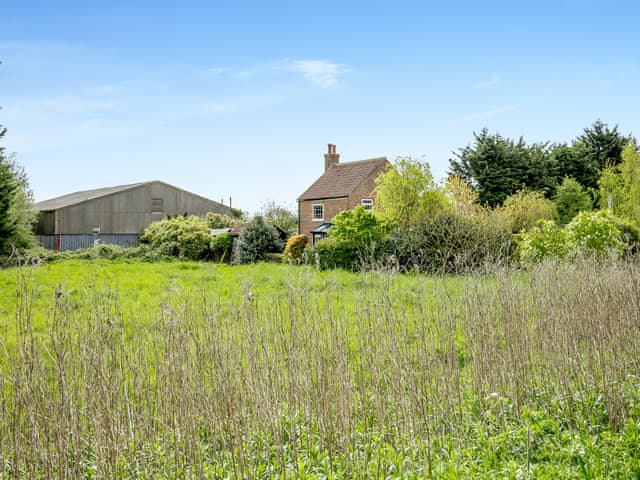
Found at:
<point>367,204</point>
<point>313,212</point>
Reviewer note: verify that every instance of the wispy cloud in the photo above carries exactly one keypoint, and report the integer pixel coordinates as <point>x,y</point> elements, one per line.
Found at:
<point>486,114</point>
<point>320,73</point>
<point>489,81</point>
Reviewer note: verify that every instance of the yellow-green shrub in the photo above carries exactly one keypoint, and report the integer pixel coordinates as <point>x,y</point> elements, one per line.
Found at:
<point>294,250</point>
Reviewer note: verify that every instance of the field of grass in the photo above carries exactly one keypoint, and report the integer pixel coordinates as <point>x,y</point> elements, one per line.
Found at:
<point>195,370</point>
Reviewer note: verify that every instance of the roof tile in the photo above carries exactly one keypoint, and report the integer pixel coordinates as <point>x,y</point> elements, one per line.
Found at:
<point>342,179</point>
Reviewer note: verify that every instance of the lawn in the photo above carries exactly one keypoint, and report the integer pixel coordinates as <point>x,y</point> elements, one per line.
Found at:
<point>184,369</point>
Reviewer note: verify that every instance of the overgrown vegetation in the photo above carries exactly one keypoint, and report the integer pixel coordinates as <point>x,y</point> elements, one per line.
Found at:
<point>256,240</point>
<point>114,370</point>
<point>294,250</point>
<point>179,236</point>
<point>17,213</point>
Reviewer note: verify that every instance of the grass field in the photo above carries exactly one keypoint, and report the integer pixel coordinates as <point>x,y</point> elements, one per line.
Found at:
<point>176,370</point>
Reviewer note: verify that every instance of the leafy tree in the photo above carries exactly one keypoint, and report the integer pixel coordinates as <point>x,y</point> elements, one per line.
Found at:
<point>358,225</point>
<point>603,145</point>
<point>571,198</point>
<point>17,213</point>
<point>463,197</point>
<point>257,239</point>
<point>621,185</point>
<point>523,209</point>
<point>406,193</point>
<point>573,161</point>
<point>497,167</point>
<point>279,215</point>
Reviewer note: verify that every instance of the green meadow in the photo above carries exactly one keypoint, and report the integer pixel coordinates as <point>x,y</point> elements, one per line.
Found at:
<point>197,370</point>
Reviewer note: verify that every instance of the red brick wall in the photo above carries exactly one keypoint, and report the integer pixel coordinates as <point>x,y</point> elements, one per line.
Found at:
<point>332,207</point>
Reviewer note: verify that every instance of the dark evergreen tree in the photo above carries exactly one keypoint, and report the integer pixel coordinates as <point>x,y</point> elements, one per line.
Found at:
<point>8,187</point>
<point>497,167</point>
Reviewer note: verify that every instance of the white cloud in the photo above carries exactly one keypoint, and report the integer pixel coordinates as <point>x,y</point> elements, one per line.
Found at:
<point>320,73</point>
<point>489,81</point>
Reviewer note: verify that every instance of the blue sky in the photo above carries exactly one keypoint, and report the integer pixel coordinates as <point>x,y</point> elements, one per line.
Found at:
<point>239,99</point>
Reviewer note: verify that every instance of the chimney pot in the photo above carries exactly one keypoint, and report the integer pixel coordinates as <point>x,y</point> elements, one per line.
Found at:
<point>331,158</point>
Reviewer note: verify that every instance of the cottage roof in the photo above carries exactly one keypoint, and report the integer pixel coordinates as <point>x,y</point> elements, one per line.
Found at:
<point>340,180</point>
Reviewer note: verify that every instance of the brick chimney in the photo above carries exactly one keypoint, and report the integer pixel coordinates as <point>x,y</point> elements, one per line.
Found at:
<point>331,158</point>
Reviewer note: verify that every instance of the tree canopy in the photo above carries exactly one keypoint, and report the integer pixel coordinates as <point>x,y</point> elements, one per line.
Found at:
<point>279,215</point>
<point>407,194</point>
<point>17,213</point>
<point>497,167</point>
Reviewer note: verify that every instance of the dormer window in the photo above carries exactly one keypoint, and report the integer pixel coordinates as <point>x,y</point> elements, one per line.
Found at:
<point>317,212</point>
<point>367,204</point>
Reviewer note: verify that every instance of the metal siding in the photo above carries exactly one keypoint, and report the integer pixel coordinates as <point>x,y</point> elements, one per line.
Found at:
<point>46,223</point>
<point>129,211</point>
<point>78,241</point>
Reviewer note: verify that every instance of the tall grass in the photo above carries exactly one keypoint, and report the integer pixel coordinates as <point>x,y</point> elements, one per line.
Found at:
<point>526,374</point>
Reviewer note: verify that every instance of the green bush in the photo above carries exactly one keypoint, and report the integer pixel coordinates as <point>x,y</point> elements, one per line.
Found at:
<point>220,247</point>
<point>181,237</point>
<point>589,234</point>
<point>257,239</point>
<point>629,233</point>
<point>357,225</point>
<point>333,253</point>
<point>295,249</point>
<point>104,250</point>
<point>450,243</point>
<point>545,240</point>
<point>571,198</point>
<point>217,220</point>
<point>523,209</point>
<point>594,233</point>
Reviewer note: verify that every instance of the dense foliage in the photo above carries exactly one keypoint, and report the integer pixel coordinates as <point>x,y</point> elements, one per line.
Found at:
<point>179,236</point>
<point>450,243</point>
<point>256,240</point>
<point>407,194</point>
<point>221,247</point>
<point>523,209</point>
<point>17,213</point>
<point>588,234</point>
<point>294,250</point>
<point>497,167</point>
<point>570,199</point>
<point>217,220</point>
<point>279,215</point>
<point>620,185</point>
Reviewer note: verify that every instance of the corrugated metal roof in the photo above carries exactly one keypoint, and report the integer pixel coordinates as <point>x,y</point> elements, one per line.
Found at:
<point>83,196</point>
<point>342,179</point>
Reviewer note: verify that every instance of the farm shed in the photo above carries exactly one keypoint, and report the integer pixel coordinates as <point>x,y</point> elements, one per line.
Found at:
<point>114,214</point>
